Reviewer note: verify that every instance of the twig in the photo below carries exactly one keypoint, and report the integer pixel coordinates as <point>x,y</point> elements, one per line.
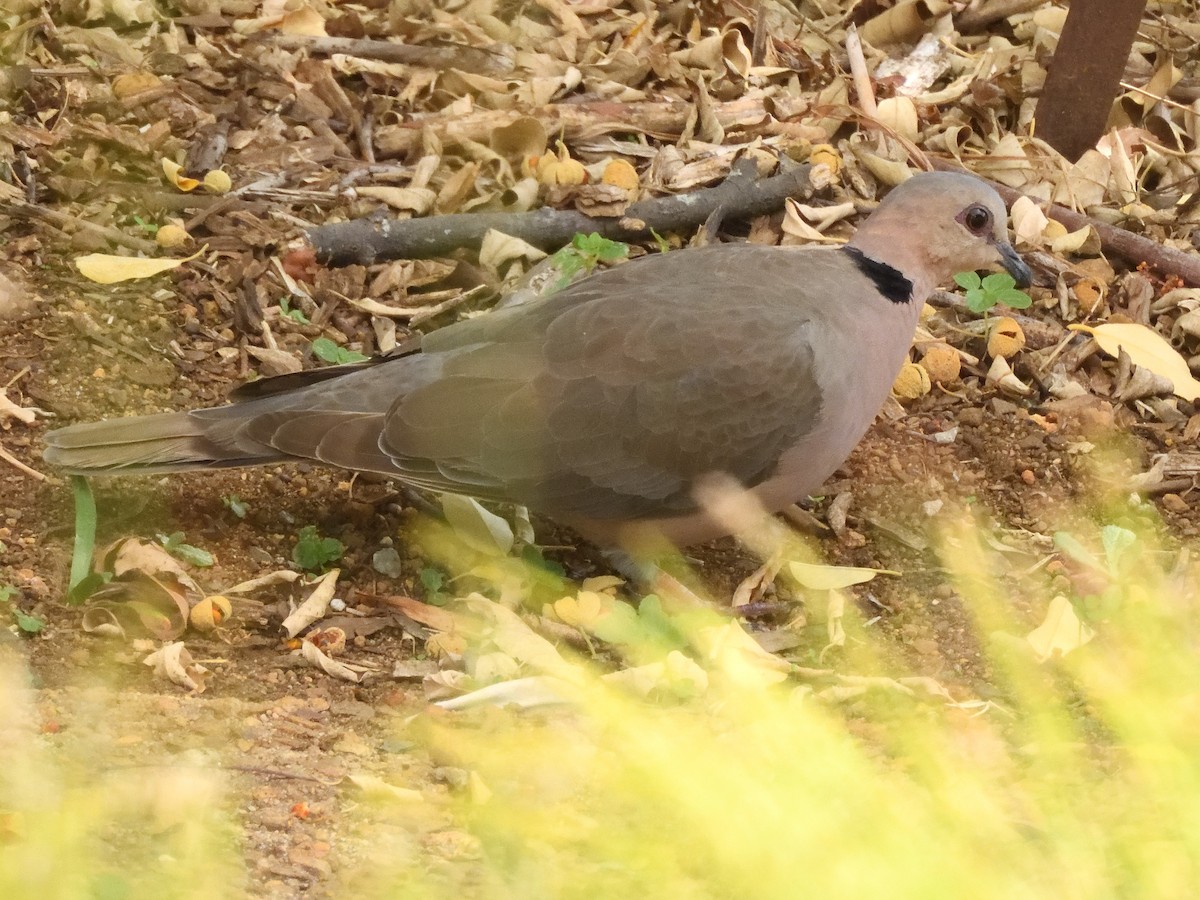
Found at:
<point>16,463</point>
<point>478,60</point>
<point>365,241</point>
<point>862,78</point>
<point>63,221</point>
<point>1133,248</point>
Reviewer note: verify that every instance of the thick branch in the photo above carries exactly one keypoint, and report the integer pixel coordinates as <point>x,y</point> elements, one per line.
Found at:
<point>492,61</point>
<point>364,241</point>
<point>579,121</point>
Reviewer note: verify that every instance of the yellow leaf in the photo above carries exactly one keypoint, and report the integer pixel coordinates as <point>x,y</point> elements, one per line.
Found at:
<point>1060,633</point>
<point>831,578</point>
<point>106,269</point>
<point>304,21</point>
<point>174,173</point>
<point>1148,349</point>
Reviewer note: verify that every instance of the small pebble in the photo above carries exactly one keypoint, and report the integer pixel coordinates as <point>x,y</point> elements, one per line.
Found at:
<point>387,562</point>
<point>972,416</point>
<point>1174,503</point>
<point>1028,477</point>
<point>337,604</point>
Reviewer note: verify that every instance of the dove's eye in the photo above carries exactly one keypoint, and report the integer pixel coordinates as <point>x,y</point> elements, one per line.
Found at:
<point>978,219</point>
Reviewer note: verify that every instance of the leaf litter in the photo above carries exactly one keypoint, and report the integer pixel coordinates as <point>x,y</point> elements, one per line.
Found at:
<point>674,98</point>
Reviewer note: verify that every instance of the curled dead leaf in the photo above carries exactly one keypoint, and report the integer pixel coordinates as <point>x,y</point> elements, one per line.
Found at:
<point>313,607</point>
<point>174,173</point>
<point>1001,375</point>
<point>175,663</point>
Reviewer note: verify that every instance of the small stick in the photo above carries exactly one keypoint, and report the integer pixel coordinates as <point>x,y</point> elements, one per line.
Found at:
<point>862,78</point>
<point>16,463</point>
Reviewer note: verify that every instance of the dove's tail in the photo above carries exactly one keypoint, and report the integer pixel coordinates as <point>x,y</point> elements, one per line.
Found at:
<point>169,442</point>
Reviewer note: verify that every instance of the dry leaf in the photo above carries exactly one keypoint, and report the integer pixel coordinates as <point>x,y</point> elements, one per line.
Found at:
<point>104,268</point>
<point>1060,632</point>
<point>175,663</point>
<point>314,607</point>
<point>829,578</point>
<point>174,173</point>
<point>1146,348</point>
<point>312,654</point>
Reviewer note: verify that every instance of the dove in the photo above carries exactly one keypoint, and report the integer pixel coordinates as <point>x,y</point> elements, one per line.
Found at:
<point>604,406</point>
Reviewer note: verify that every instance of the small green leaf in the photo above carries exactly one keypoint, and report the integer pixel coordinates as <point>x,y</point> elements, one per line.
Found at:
<point>236,505</point>
<point>997,282</point>
<point>1015,299</point>
<point>28,624</point>
<point>173,544</point>
<point>1116,540</point>
<point>325,349</point>
<point>433,580</point>
<point>978,301</point>
<point>7,592</point>
<point>313,552</point>
<point>967,280</point>
<point>287,312</point>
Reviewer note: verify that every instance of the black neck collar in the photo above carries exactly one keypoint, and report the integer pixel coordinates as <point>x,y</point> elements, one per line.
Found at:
<point>887,280</point>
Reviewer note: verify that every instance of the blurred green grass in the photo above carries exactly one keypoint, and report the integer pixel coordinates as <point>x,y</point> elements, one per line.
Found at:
<point>1080,779</point>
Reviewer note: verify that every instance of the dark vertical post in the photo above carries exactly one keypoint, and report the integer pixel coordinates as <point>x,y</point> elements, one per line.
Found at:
<point>1085,73</point>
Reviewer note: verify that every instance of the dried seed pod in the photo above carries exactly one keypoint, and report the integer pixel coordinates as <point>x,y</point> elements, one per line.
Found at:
<point>1089,293</point>
<point>560,168</point>
<point>826,155</point>
<point>1005,338</point>
<point>620,173</point>
<point>942,363</point>
<point>210,612</point>
<point>911,383</point>
<point>171,236</point>
<point>217,182</point>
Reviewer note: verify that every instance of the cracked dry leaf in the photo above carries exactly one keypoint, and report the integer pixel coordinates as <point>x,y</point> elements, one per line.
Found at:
<point>1148,349</point>
<point>175,663</point>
